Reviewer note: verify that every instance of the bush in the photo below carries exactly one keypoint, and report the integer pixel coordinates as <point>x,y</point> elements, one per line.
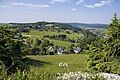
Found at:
<point>51,53</point>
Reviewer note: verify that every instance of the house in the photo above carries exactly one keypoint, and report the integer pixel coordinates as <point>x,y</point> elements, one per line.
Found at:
<point>60,51</point>
<point>50,49</point>
<point>77,50</point>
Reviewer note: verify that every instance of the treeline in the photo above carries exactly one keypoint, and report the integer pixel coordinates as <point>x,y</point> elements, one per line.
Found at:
<point>61,37</point>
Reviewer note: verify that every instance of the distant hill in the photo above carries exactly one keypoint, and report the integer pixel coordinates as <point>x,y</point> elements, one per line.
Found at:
<point>84,25</point>
<point>62,25</point>
<point>45,25</point>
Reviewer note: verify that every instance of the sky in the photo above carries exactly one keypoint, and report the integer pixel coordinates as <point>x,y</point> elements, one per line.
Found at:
<point>67,11</point>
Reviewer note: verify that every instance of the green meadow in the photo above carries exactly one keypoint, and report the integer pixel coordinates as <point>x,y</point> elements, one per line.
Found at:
<point>40,34</point>
<point>50,65</point>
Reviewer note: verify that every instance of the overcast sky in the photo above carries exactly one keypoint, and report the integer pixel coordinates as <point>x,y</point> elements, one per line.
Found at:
<point>82,11</point>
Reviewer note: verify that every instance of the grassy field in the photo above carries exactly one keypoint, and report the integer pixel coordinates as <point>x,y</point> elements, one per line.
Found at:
<point>50,65</point>
<point>40,34</point>
<point>61,43</point>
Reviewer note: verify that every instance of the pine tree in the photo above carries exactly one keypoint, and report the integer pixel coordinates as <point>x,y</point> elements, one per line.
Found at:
<point>113,40</point>
<point>107,57</point>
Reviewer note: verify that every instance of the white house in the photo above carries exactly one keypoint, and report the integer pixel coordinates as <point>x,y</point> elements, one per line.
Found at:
<point>60,51</point>
<point>50,49</point>
<point>77,50</point>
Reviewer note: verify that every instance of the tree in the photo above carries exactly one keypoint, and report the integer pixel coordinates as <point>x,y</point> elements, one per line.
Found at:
<point>94,40</point>
<point>114,28</point>
<point>45,43</point>
<point>113,40</point>
<point>107,57</point>
<point>11,51</point>
<point>38,42</point>
<point>71,48</point>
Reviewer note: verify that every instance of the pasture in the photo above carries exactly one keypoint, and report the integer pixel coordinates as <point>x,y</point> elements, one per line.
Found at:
<point>40,34</point>
<point>47,67</point>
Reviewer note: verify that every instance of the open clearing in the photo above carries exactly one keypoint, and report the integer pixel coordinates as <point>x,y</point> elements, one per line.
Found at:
<point>40,34</point>
<point>50,66</point>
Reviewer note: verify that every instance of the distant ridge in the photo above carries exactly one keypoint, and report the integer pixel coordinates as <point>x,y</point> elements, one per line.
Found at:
<point>85,25</point>
<point>76,25</point>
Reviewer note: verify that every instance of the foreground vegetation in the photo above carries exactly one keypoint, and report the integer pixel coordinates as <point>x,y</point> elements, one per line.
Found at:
<point>106,58</point>
<point>49,67</point>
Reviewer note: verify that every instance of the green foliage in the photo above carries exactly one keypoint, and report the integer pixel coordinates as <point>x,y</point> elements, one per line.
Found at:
<point>38,42</point>
<point>114,28</point>
<point>85,41</point>
<point>106,58</point>
<point>2,69</point>
<point>97,77</point>
<point>113,40</point>
<point>45,43</point>
<point>11,50</point>
<point>17,76</point>
<point>71,50</point>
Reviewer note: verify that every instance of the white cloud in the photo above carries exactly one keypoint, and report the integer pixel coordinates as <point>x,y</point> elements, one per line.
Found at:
<point>29,5</point>
<point>60,1</point>
<point>80,1</point>
<point>102,3</point>
<point>74,9</point>
<point>4,6</point>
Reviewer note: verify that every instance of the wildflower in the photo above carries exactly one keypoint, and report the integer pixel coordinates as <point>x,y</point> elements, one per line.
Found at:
<point>63,64</point>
